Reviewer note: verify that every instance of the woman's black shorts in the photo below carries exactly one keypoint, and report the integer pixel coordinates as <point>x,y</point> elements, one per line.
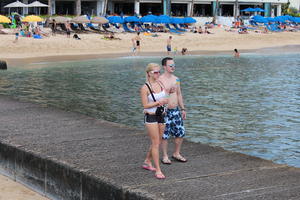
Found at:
<point>154,119</point>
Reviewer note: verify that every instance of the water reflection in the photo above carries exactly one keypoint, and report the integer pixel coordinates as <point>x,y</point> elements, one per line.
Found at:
<point>249,105</point>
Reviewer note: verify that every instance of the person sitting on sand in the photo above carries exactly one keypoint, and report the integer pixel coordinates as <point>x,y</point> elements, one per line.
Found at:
<point>206,30</point>
<point>183,51</point>
<point>111,36</point>
<point>243,31</point>
<point>76,37</point>
<point>200,30</point>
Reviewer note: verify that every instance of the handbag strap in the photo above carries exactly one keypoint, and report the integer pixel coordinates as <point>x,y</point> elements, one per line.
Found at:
<point>151,92</point>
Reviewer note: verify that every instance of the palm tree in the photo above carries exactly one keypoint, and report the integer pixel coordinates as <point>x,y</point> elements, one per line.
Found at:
<point>105,7</point>
<point>192,9</point>
<point>236,9</point>
<point>50,7</point>
<point>216,12</point>
<point>78,7</point>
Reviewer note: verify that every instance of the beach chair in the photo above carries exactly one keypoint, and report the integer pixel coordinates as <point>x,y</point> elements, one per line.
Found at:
<point>178,29</point>
<point>126,28</point>
<point>140,27</point>
<point>105,28</point>
<point>75,28</point>
<point>93,28</point>
<point>172,30</point>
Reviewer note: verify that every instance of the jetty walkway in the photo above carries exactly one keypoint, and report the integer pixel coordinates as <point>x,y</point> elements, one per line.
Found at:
<point>66,155</point>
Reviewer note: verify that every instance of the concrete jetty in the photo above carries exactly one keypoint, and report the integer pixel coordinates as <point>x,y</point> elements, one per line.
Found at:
<point>66,155</point>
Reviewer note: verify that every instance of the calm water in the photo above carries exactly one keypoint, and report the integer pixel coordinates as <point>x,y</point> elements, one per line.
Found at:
<point>249,105</point>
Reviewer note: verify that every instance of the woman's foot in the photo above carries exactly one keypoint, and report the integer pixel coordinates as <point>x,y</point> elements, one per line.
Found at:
<point>148,166</point>
<point>159,175</point>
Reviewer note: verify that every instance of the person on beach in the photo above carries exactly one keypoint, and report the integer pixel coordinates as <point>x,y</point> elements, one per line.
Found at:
<point>154,121</point>
<point>236,53</point>
<point>174,116</point>
<point>136,43</point>
<point>68,29</point>
<point>169,47</point>
<point>53,27</point>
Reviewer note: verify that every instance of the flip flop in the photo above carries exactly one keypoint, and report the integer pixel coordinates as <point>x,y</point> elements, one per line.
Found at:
<point>160,176</point>
<point>166,161</point>
<point>179,158</point>
<point>147,167</point>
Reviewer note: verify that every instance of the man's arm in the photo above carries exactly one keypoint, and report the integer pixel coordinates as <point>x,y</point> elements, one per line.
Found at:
<point>180,99</point>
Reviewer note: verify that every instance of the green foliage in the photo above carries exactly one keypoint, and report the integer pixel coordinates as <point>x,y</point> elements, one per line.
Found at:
<point>285,8</point>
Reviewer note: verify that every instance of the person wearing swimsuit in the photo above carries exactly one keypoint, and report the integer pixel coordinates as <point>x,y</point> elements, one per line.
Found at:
<point>154,123</point>
<point>138,42</point>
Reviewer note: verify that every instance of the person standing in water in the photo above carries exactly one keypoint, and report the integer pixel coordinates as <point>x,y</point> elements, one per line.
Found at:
<point>236,53</point>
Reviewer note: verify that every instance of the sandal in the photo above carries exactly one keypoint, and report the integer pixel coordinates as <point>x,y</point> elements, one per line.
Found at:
<point>166,161</point>
<point>179,158</point>
<point>159,176</point>
<point>148,167</point>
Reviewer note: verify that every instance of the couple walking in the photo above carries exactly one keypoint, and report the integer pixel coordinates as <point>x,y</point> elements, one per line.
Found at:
<point>158,92</point>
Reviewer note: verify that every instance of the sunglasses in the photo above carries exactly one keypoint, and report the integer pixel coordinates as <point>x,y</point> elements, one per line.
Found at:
<point>171,65</point>
<point>155,72</point>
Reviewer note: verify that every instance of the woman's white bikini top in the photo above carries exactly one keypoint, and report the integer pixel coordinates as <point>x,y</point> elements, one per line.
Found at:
<point>157,97</point>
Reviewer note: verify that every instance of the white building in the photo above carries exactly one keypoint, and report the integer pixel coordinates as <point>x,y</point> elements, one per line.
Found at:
<point>143,7</point>
<point>295,4</point>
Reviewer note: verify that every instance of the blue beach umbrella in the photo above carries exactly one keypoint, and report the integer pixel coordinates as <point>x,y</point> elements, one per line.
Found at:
<point>149,19</point>
<point>279,19</point>
<point>271,19</point>
<point>115,19</point>
<point>175,20</point>
<point>249,10</point>
<point>131,19</point>
<point>189,20</point>
<point>260,19</point>
<point>259,10</point>
<point>163,19</point>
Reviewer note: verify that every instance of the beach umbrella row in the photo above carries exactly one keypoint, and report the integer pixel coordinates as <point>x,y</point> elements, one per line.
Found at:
<point>253,10</point>
<point>161,19</point>
<point>32,18</point>
<point>281,19</point>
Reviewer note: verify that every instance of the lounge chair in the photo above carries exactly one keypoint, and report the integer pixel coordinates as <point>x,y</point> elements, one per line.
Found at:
<point>126,28</point>
<point>172,30</point>
<point>179,29</point>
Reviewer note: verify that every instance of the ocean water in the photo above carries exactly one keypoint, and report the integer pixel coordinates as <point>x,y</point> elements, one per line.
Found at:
<point>249,105</point>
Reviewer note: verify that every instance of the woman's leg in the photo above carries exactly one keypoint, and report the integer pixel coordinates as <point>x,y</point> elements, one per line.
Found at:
<point>153,132</point>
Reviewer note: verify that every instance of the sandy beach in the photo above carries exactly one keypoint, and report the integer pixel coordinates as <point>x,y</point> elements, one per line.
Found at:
<point>94,46</point>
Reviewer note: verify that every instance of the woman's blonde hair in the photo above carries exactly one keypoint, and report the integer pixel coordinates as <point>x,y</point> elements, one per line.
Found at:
<point>149,68</point>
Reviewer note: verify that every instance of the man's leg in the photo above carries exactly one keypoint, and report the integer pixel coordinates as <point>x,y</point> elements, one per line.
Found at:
<point>164,146</point>
<point>178,143</point>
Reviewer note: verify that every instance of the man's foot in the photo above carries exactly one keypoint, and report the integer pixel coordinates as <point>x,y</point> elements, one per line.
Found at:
<point>160,175</point>
<point>179,158</point>
<point>166,161</point>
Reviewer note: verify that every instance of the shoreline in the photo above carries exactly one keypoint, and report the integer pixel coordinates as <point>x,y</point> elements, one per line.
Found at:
<point>22,61</point>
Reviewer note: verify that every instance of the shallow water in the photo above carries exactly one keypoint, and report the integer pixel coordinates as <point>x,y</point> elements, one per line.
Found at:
<point>249,105</point>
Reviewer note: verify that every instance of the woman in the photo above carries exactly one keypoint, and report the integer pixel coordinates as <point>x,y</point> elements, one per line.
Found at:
<point>153,122</point>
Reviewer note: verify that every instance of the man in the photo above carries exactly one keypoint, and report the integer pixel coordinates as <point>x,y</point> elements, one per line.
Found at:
<point>169,47</point>
<point>174,115</point>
